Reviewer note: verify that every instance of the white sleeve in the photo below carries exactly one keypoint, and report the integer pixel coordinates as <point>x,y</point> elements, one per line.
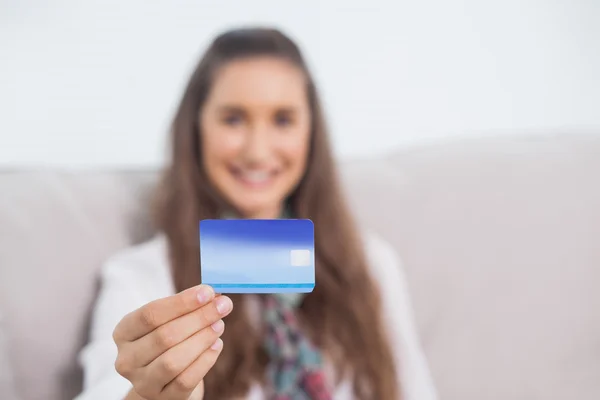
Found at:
<point>119,295</point>
<point>414,376</point>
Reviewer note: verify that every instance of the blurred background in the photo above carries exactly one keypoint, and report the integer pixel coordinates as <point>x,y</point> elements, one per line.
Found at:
<point>95,83</point>
<point>468,134</point>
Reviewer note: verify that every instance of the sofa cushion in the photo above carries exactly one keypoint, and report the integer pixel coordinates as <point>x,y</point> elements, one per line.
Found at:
<point>7,385</point>
<point>56,229</point>
<point>500,238</point>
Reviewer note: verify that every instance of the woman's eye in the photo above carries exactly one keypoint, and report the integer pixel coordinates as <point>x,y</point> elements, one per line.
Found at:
<point>283,120</point>
<point>232,120</point>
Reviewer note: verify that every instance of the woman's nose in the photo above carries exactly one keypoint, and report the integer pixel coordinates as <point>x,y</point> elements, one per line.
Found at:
<point>258,145</point>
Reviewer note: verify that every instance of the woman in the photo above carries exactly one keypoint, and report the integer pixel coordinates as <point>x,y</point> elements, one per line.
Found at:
<point>249,141</point>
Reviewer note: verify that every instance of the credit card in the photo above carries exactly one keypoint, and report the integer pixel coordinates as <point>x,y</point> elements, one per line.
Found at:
<point>258,256</point>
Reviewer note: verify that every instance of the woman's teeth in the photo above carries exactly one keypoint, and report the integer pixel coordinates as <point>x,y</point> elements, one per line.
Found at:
<point>256,176</point>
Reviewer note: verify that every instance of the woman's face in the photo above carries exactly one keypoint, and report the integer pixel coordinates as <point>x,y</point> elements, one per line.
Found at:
<point>255,129</point>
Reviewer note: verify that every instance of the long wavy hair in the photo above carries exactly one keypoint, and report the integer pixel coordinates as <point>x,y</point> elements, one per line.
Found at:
<point>343,314</point>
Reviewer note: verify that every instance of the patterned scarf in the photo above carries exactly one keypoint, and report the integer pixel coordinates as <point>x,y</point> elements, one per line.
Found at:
<point>295,371</point>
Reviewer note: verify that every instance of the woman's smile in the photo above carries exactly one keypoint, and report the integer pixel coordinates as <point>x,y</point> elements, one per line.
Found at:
<point>255,178</point>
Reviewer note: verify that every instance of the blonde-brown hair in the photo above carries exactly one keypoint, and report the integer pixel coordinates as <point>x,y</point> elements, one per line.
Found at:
<point>343,313</point>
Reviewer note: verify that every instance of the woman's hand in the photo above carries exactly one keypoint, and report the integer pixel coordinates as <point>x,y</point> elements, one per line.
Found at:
<point>166,347</point>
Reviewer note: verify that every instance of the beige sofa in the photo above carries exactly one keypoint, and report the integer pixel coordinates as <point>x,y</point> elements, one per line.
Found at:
<point>500,238</point>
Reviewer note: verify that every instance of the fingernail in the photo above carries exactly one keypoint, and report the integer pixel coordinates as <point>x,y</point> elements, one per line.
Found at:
<point>223,304</point>
<point>217,345</point>
<point>205,293</point>
<point>218,326</point>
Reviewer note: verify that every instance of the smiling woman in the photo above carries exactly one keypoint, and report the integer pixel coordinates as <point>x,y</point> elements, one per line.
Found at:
<point>256,133</point>
<point>249,140</point>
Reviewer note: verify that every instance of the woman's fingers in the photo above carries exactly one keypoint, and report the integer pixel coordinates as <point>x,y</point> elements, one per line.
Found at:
<point>154,314</point>
<point>167,367</point>
<point>167,346</point>
<point>189,379</point>
<point>174,332</point>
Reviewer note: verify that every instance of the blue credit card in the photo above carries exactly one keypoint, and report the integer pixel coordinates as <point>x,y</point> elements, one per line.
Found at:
<point>258,256</point>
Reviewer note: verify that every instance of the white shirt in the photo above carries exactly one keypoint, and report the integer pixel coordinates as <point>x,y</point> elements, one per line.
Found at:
<point>140,274</point>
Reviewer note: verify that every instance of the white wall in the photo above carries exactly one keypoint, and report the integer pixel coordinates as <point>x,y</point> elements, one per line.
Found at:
<point>94,83</point>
